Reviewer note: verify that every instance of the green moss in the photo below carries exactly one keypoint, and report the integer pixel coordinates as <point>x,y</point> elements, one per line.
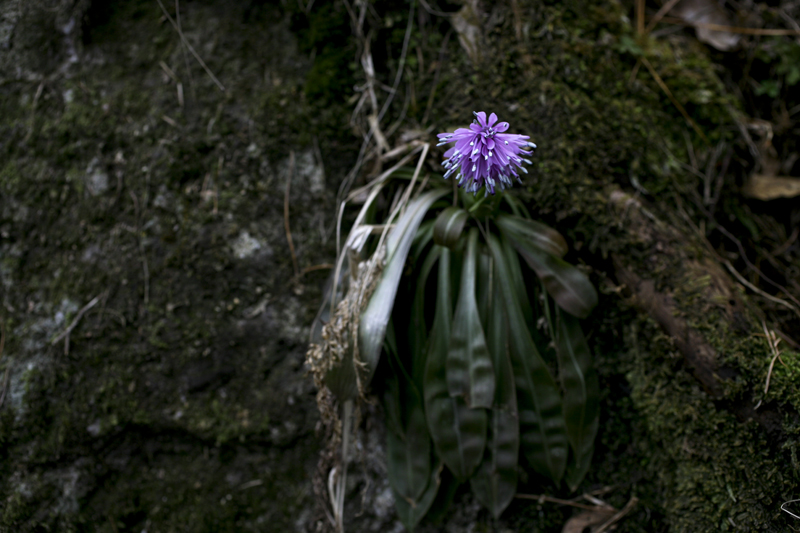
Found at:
<point>689,459</point>
<point>325,33</point>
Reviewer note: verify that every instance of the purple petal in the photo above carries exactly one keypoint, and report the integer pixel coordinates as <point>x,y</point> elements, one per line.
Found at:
<point>501,127</point>
<point>481,118</point>
<point>492,120</point>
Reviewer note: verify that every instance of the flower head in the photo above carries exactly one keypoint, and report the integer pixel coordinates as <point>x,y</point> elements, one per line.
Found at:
<point>485,155</point>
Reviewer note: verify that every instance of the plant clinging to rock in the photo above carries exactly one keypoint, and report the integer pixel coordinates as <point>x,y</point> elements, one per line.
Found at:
<point>473,310</point>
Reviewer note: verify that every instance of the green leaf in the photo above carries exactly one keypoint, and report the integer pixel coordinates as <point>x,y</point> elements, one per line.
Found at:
<point>418,327</point>
<point>449,225</point>
<point>542,432</point>
<point>577,469</point>
<point>375,318</point>
<point>459,433</point>
<point>531,232</point>
<point>409,455</point>
<point>469,364</point>
<point>568,286</point>
<point>423,238</point>
<point>412,511</point>
<point>495,481</point>
<point>517,281</point>
<point>447,491</point>
<point>406,226</point>
<point>581,391</point>
<point>517,207</point>
<point>485,289</point>
<point>392,401</point>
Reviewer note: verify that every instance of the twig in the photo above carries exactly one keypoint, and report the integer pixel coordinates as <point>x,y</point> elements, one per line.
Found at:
<point>318,156</point>
<point>542,498</point>
<point>286,215</point>
<point>436,74</point>
<point>727,263</point>
<point>660,14</point>
<point>751,145</point>
<point>772,341</point>
<point>614,519</point>
<point>402,63</point>
<point>179,86</point>
<point>785,246</point>
<point>323,266</point>
<point>65,334</point>
<point>33,110</point>
<point>752,267</point>
<point>755,289</point>
<point>369,186</point>
<point>432,11</point>
<point>183,51</point>
<point>191,49</point>
<point>640,17</point>
<point>169,72</point>
<point>794,344</point>
<point>406,101</point>
<point>674,101</point>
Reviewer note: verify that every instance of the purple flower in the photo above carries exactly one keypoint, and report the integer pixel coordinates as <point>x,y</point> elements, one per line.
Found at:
<point>484,155</point>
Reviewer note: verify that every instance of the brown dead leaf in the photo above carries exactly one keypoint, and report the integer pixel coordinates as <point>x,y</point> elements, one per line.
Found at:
<point>467,23</point>
<point>764,187</point>
<point>704,13</point>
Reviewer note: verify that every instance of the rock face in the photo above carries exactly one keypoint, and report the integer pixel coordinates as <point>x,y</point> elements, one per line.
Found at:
<point>178,400</point>
<point>154,322</point>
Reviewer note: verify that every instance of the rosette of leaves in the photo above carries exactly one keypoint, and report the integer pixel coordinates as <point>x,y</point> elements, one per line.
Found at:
<point>482,366</point>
